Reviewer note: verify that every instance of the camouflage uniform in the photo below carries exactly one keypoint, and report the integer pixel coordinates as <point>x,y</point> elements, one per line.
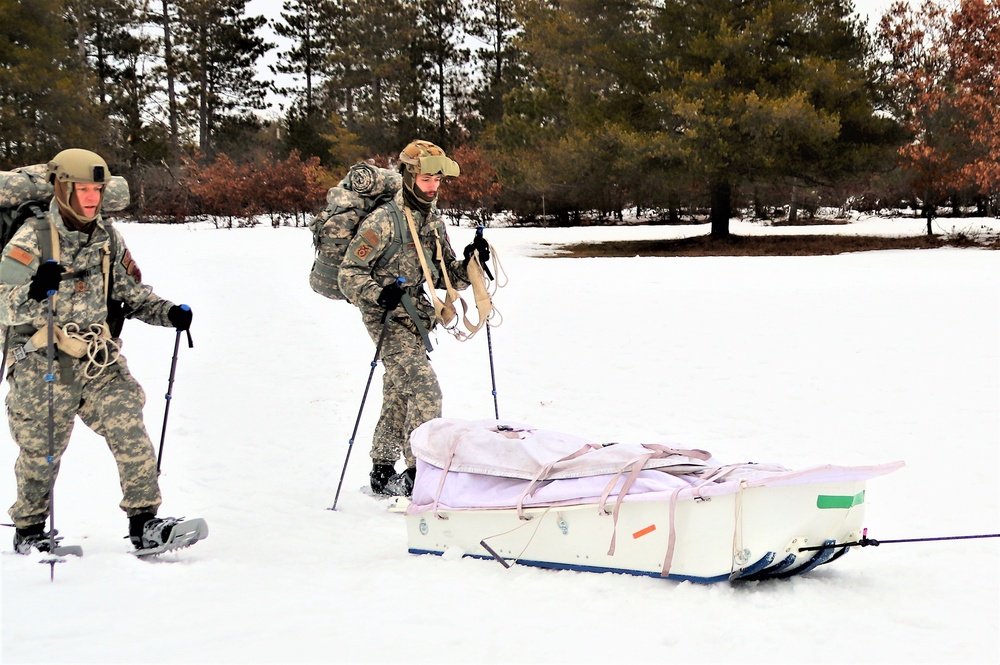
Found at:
<point>111,403</point>
<point>411,394</point>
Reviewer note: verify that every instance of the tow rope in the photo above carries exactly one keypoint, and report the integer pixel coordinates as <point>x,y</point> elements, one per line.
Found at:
<point>866,541</point>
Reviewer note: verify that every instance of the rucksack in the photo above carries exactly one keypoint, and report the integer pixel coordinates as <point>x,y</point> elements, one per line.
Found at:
<point>25,194</point>
<point>364,188</point>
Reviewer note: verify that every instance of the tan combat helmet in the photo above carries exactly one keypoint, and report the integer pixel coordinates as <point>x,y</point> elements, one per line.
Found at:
<point>72,166</point>
<point>425,157</point>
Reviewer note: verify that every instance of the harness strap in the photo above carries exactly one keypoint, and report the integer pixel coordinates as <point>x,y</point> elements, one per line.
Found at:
<point>484,304</point>
<point>443,311</point>
<point>411,310</point>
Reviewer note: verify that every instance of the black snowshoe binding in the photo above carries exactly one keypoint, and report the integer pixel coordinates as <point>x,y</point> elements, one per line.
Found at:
<point>32,538</point>
<point>401,484</point>
<point>155,535</point>
<point>36,538</point>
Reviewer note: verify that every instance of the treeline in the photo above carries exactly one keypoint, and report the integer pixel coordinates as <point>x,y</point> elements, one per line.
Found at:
<point>566,111</point>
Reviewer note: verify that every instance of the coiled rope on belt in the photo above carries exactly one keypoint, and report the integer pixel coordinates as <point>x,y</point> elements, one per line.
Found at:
<point>102,350</point>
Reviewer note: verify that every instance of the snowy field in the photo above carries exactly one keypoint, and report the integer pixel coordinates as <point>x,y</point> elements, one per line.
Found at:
<point>854,359</point>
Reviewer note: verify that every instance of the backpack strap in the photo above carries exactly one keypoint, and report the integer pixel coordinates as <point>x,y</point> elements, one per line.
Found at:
<point>443,311</point>
<point>399,236</point>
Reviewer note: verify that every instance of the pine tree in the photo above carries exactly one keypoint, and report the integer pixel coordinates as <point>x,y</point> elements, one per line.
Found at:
<point>217,63</point>
<point>46,89</point>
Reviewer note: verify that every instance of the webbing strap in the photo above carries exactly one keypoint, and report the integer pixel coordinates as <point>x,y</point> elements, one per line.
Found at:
<point>546,470</point>
<point>484,304</point>
<point>411,310</point>
<point>443,311</point>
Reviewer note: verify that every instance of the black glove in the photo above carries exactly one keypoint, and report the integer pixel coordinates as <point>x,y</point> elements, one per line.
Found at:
<point>45,279</point>
<point>180,316</point>
<point>390,297</point>
<point>480,245</point>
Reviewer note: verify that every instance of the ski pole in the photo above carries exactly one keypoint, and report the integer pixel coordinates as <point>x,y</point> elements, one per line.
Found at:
<point>170,387</point>
<point>386,319</point>
<point>489,344</point>
<point>50,378</point>
<point>493,377</point>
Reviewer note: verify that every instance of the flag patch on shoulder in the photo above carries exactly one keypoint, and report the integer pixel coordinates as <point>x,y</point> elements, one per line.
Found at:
<point>21,256</point>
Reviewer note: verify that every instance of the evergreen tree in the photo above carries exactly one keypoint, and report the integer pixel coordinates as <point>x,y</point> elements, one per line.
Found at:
<point>121,57</point>
<point>46,91</point>
<point>494,27</point>
<point>442,24</point>
<point>766,90</point>
<point>217,64</point>
<point>306,24</point>
<point>371,72</point>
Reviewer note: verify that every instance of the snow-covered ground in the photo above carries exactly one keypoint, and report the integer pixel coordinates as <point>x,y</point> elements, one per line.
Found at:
<point>854,359</point>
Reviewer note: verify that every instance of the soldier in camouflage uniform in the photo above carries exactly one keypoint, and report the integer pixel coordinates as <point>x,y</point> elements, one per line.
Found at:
<point>411,394</point>
<point>92,380</point>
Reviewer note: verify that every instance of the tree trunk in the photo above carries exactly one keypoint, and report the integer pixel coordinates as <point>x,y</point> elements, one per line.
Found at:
<point>722,207</point>
<point>168,62</point>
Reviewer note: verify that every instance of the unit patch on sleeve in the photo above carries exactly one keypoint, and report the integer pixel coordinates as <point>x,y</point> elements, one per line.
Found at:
<point>131,267</point>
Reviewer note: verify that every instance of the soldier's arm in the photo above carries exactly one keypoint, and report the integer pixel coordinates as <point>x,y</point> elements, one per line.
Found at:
<point>19,262</point>
<point>369,242</point>
<point>140,300</point>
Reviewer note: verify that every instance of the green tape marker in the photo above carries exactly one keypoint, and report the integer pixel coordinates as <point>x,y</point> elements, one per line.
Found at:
<point>830,501</point>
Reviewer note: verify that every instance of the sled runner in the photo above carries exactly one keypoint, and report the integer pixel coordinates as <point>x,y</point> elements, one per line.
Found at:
<point>496,489</point>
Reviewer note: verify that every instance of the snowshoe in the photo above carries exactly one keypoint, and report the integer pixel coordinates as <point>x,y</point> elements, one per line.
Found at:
<point>161,535</point>
<point>401,484</point>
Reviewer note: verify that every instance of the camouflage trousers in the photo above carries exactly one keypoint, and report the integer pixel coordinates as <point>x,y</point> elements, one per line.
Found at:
<point>110,405</point>
<point>411,394</point>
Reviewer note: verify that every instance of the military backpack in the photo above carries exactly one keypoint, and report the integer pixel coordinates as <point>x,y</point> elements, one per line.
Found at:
<point>364,188</point>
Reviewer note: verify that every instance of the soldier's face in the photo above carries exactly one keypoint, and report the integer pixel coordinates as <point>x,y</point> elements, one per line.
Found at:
<point>428,184</point>
<point>86,198</point>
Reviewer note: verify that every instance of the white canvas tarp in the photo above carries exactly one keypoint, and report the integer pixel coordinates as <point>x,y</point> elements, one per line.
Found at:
<point>464,464</point>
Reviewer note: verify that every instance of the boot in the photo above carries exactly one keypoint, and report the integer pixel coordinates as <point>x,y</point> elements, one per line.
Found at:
<point>402,483</point>
<point>136,524</point>
<point>379,476</point>
<point>31,537</point>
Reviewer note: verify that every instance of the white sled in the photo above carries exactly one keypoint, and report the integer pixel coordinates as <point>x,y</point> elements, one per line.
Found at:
<point>500,490</point>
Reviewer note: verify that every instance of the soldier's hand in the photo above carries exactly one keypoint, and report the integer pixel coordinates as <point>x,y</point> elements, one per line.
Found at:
<point>480,245</point>
<point>180,317</point>
<point>390,297</point>
<point>45,279</point>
